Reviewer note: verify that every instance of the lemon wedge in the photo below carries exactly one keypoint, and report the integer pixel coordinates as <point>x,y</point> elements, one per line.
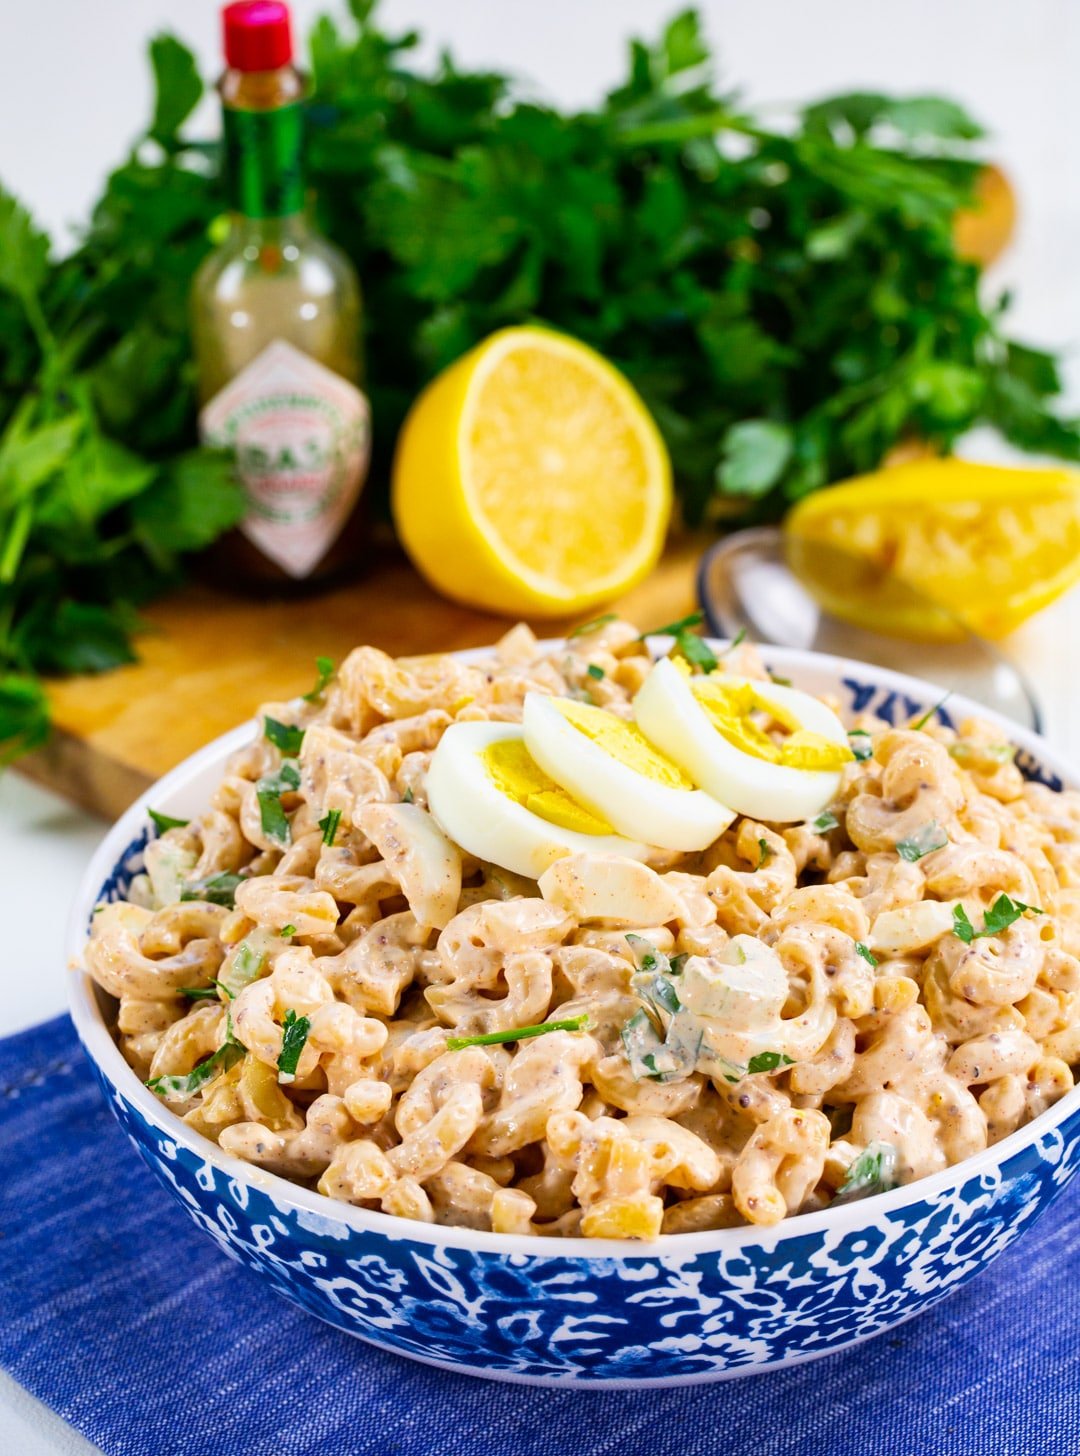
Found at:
<point>530,478</point>
<point>989,544</point>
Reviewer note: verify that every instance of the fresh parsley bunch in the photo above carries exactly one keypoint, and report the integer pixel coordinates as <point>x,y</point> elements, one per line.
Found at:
<point>787,299</point>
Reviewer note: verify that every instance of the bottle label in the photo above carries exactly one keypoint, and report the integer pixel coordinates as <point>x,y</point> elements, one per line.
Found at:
<point>264,161</point>
<point>302,439</point>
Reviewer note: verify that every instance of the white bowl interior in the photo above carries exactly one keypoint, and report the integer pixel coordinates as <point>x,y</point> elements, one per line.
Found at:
<point>186,790</point>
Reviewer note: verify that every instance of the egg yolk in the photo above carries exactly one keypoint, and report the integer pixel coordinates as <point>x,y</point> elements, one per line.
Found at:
<point>730,711</point>
<point>515,773</point>
<point>624,742</point>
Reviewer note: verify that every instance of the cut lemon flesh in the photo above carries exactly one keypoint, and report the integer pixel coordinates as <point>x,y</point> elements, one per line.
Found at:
<point>530,478</point>
<point>985,546</point>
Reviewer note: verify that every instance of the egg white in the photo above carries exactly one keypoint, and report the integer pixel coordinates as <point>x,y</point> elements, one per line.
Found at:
<point>669,715</point>
<point>471,810</point>
<point>633,803</point>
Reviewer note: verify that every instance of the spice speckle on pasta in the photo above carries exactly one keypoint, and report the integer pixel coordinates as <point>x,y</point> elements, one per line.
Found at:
<point>549,944</point>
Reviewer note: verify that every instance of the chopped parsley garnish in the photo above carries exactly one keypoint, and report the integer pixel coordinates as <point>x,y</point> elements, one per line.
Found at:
<point>268,792</point>
<point>593,624</point>
<point>824,822</point>
<point>284,736</point>
<point>294,1034</point>
<point>329,825</point>
<point>179,1088</point>
<point>861,948</point>
<point>925,840</point>
<point>407,796</point>
<point>287,930</point>
<point>688,644</point>
<point>324,666</point>
<point>968,751</point>
<point>516,1033</point>
<point>781,682</point>
<point>1002,913</point>
<point>677,962</point>
<point>217,890</point>
<point>246,966</point>
<point>930,713</point>
<point>768,1062</point>
<point>764,850</point>
<point>861,744</point>
<point>873,1171</point>
<point>596,673</point>
<point>165,821</point>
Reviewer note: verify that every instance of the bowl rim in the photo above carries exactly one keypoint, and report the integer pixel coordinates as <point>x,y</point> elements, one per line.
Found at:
<point>320,1212</point>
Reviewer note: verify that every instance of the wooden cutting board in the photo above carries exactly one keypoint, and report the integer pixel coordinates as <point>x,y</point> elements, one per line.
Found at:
<point>208,660</point>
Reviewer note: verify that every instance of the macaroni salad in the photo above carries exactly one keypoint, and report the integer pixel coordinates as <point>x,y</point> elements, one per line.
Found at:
<point>434,981</point>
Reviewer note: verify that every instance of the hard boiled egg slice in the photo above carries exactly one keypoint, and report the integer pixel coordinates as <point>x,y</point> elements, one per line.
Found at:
<point>769,751</point>
<point>493,800</point>
<point>609,765</point>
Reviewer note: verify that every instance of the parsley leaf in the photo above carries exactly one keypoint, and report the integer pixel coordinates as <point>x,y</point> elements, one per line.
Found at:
<point>517,1033</point>
<point>925,840</point>
<point>287,930</point>
<point>162,822</point>
<point>921,723</point>
<point>329,825</point>
<point>1002,913</point>
<point>284,736</point>
<point>324,667</point>
<point>768,1062</point>
<point>596,673</point>
<point>764,851</point>
<point>408,796</point>
<point>294,1035</point>
<point>861,948</point>
<point>268,792</point>
<point>824,822</point>
<point>180,1088</point>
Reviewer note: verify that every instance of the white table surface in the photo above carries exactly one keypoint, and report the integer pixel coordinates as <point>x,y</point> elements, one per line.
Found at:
<point>1018,75</point>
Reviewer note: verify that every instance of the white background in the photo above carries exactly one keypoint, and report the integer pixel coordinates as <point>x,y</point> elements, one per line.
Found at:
<point>75,92</point>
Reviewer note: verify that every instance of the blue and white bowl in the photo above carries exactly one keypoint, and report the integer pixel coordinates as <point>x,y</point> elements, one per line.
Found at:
<point>592,1313</point>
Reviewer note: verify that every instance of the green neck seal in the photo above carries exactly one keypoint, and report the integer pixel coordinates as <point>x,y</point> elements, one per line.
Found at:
<point>264,170</point>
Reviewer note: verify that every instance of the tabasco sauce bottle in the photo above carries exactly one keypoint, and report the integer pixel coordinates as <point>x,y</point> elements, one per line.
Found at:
<point>276,324</point>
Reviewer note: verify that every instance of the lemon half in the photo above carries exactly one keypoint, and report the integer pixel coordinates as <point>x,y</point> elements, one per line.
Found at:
<point>530,478</point>
<point>991,544</point>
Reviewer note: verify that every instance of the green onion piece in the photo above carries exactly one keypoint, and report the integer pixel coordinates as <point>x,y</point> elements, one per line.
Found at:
<point>861,948</point>
<point>294,1034</point>
<point>873,1171</point>
<point>165,821</point>
<point>284,736</point>
<point>246,966</point>
<point>201,993</point>
<point>765,851</point>
<point>408,796</point>
<point>768,1062</point>
<point>781,682</point>
<point>925,840</point>
<point>518,1033</point>
<point>324,666</point>
<point>287,930</point>
<point>176,1089</point>
<point>931,712</point>
<point>596,673</point>
<point>737,641</point>
<point>329,825</point>
<point>864,747</point>
<point>593,624</point>
<point>217,890</point>
<point>824,822</point>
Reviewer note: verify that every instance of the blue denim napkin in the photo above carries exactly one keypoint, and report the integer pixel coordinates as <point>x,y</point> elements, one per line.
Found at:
<point>122,1317</point>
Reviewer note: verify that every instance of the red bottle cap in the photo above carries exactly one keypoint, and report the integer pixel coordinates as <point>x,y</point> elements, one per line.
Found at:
<point>258,35</point>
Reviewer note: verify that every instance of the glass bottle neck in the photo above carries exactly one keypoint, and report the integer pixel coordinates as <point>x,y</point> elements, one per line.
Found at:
<point>264,170</point>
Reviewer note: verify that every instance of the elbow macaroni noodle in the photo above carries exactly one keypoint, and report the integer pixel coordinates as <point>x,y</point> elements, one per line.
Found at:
<point>873,1022</point>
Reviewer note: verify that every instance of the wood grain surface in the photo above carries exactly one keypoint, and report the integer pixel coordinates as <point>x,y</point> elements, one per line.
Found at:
<point>208,660</point>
